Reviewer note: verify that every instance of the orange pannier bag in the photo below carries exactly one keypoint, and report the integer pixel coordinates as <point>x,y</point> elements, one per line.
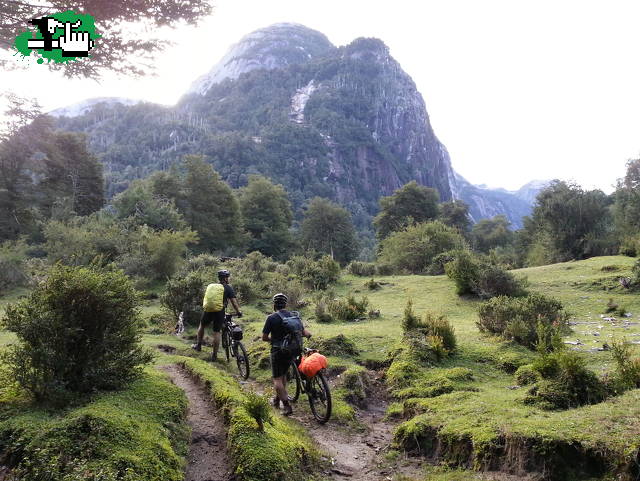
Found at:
<point>311,365</point>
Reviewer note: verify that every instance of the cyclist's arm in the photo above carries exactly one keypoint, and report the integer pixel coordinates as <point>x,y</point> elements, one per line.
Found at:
<point>266,330</point>
<point>234,303</point>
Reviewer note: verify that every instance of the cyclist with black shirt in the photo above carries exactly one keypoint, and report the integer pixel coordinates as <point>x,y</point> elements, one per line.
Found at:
<point>217,318</point>
<point>274,333</point>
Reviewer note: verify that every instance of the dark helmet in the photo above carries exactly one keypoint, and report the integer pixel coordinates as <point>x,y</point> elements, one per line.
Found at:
<point>280,298</point>
<point>223,274</point>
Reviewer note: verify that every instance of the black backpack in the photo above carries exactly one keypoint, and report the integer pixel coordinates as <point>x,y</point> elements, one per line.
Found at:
<point>292,340</point>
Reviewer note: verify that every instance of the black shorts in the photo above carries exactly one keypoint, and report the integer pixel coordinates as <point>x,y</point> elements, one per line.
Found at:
<point>216,317</point>
<point>279,363</point>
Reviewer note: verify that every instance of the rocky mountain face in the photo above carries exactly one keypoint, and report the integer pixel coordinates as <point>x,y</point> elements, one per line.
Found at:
<point>341,122</point>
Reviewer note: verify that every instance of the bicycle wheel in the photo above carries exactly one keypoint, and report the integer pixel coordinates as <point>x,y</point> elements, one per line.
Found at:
<point>320,398</point>
<point>293,376</point>
<point>242,360</point>
<point>226,344</point>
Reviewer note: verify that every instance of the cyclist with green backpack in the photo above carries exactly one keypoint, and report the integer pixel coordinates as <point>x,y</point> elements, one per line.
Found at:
<point>284,330</point>
<point>214,304</point>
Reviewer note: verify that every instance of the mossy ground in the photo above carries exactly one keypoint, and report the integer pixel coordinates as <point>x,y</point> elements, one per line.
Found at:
<point>485,409</point>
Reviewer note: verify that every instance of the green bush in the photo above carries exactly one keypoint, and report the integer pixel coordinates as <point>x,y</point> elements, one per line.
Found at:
<point>321,312</point>
<point>184,294</point>
<point>315,274</point>
<point>363,269</point>
<point>258,408</point>
<point>356,384</point>
<point>414,249</point>
<point>573,385</point>
<point>409,321</point>
<point>526,375</point>
<point>438,326</point>
<point>293,288</point>
<point>78,332</point>
<point>246,290</point>
<point>464,271</point>
<point>494,281</point>
<point>517,318</point>
<point>349,309</point>
<point>13,265</point>
<point>627,373</point>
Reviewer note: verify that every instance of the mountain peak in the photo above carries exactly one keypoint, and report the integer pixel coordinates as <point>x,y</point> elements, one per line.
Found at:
<point>276,46</point>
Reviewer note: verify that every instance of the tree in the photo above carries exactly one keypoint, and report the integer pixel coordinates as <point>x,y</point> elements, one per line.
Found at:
<point>41,168</point>
<point>627,200</point>
<point>414,249</point>
<point>142,207</point>
<point>122,51</point>
<point>267,215</point>
<point>569,222</point>
<point>408,205</point>
<point>327,229</point>
<point>491,233</point>
<point>456,214</point>
<point>209,206</point>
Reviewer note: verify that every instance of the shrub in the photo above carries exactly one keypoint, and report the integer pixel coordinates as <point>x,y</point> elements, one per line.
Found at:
<point>349,309</point>
<point>363,269</point>
<point>437,266</point>
<point>293,288</point>
<point>246,290</point>
<point>629,247</point>
<point>321,311</point>
<point>574,385</point>
<point>339,345</point>
<point>627,374</point>
<point>464,271</point>
<point>13,266</point>
<point>78,332</point>
<point>315,274</point>
<point>438,326</point>
<point>206,262</point>
<point>526,375</point>
<point>356,383</point>
<point>517,318</point>
<point>409,321</point>
<point>258,408</point>
<point>184,294</point>
<point>494,281</point>
<point>414,249</point>
<point>384,269</point>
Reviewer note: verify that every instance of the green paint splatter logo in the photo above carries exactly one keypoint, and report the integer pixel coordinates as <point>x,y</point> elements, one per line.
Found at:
<point>60,37</point>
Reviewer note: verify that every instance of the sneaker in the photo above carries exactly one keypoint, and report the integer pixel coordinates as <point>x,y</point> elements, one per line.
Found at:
<point>288,410</point>
<point>196,347</point>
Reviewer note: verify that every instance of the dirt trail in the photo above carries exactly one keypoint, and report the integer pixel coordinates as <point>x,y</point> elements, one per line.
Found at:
<point>208,459</point>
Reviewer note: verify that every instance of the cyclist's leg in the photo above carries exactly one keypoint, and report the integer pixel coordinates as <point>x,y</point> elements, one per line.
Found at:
<point>204,321</point>
<point>279,366</point>
<point>218,324</point>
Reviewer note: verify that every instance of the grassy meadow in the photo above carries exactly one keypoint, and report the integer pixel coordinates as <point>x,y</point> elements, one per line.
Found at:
<point>483,422</point>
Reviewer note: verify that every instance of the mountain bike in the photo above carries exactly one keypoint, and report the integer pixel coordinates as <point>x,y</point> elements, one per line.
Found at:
<point>316,389</point>
<point>233,347</point>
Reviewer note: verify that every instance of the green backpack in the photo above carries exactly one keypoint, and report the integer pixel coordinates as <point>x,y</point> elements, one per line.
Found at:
<point>213,298</point>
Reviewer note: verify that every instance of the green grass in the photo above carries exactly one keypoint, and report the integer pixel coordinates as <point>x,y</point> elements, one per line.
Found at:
<point>481,410</point>
<point>136,434</point>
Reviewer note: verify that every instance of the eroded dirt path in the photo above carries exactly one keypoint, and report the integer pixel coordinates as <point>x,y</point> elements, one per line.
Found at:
<point>208,458</point>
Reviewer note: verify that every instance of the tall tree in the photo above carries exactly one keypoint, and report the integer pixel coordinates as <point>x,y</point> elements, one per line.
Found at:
<point>267,215</point>
<point>627,200</point>
<point>327,228</point>
<point>125,46</point>
<point>569,222</point>
<point>456,214</point>
<point>491,233</point>
<point>209,206</point>
<point>409,205</point>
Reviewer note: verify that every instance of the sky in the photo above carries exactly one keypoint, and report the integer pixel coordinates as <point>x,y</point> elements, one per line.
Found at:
<point>515,90</point>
